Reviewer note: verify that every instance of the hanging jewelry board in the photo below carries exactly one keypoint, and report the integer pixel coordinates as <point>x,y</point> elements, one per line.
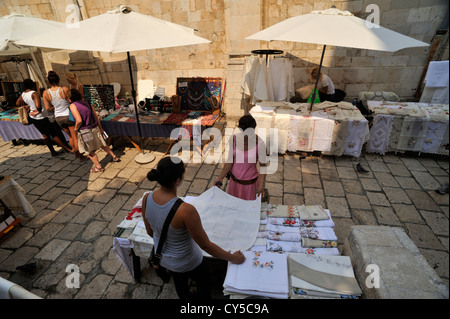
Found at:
<point>12,91</point>
<point>201,94</point>
<point>99,96</point>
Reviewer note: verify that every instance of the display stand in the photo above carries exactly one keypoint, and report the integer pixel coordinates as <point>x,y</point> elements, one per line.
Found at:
<point>267,52</point>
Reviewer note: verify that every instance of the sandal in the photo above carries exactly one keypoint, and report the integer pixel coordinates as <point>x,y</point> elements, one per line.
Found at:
<point>116,159</point>
<point>97,170</point>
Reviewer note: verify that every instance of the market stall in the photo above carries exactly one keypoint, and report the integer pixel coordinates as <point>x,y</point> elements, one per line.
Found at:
<point>408,126</point>
<point>332,128</point>
<point>270,236</point>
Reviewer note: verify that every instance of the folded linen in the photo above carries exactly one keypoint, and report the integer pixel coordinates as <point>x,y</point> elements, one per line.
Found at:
<point>303,212</point>
<point>323,274</point>
<point>296,247</point>
<point>278,236</point>
<point>318,243</point>
<point>246,277</point>
<point>283,229</point>
<point>322,233</point>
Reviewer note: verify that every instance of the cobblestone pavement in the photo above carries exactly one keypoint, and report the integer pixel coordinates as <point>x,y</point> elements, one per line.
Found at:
<point>77,211</point>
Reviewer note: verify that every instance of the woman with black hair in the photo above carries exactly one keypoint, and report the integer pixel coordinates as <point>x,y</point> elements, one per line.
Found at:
<point>56,100</point>
<point>181,253</point>
<point>246,151</point>
<point>31,100</point>
<point>86,118</point>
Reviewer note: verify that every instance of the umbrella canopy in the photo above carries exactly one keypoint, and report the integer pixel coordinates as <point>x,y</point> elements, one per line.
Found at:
<point>119,30</point>
<point>337,28</point>
<point>15,27</point>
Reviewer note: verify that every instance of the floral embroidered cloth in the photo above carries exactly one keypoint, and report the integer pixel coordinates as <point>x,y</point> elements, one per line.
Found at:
<point>379,134</point>
<point>282,229</point>
<point>318,243</point>
<point>296,247</point>
<point>292,222</point>
<point>434,137</point>
<point>413,133</point>
<point>318,223</point>
<point>246,278</point>
<point>279,236</point>
<point>357,134</point>
<point>396,129</point>
<point>322,233</point>
<point>444,147</point>
<point>312,212</point>
<point>340,129</point>
<point>301,133</point>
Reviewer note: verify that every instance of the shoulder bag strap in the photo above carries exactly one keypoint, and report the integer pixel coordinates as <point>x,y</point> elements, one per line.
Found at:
<point>169,218</point>
<point>144,204</point>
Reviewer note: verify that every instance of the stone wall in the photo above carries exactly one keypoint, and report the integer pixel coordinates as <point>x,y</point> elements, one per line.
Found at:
<point>227,22</point>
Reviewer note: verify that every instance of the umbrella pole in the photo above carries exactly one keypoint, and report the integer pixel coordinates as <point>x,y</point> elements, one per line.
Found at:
<point>313,97</point>
<point>140,158</point>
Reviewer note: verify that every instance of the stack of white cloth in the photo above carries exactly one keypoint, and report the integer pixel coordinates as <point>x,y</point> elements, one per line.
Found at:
<point>298,229</point>
<point>262,274</point>
<point>322,276</point>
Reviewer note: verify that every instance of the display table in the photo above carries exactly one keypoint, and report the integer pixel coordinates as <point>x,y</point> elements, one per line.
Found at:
<point>12,129</point>
<point>154,124</point>
<point>333,128</point>
<point>417,127</point>
<point>280,236</point>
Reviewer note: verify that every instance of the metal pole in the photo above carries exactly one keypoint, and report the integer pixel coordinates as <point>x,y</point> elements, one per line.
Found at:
<point>313,97</point>
<point>133,94</point>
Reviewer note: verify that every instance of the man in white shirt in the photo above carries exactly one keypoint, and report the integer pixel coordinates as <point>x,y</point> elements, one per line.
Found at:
<point>325,85</point>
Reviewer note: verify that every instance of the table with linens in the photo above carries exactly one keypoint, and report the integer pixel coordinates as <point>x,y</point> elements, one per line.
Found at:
<point>332,128</point>
<point>409,126</point>
<point>291,250</point>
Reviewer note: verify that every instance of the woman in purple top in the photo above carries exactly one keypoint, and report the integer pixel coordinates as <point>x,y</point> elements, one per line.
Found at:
<point>90,141</point>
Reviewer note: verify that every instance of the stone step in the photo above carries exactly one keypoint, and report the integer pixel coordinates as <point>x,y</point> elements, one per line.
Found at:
<point>388,265</point>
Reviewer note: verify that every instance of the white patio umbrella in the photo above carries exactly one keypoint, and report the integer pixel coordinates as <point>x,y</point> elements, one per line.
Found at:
<point>337,28</point>
<point>120,30</point>
<point>15,27</point>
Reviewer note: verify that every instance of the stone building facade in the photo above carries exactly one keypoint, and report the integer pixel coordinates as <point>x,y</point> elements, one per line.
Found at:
<point>228,22</point>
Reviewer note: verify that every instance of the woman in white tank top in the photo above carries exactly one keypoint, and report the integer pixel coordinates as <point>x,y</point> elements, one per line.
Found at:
<point>32,101</point>
<point>55,100</point>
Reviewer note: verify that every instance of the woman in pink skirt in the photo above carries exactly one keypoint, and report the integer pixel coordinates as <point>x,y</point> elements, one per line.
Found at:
<point>246,151</point>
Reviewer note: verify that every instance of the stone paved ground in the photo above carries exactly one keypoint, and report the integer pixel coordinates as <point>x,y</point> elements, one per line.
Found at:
<point>77,212</point>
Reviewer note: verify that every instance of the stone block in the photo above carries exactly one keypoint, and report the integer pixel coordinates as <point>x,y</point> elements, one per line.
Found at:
<point>53,249</point>
<point>333,188</point>
<point>338,207</point>
<point>386,216</point>
<point>403,272</point>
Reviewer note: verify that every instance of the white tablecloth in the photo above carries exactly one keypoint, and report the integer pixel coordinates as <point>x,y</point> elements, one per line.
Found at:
<point>401,126</point>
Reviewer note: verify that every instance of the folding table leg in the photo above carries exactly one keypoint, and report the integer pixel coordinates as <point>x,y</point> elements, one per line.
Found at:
<point>136,266</point>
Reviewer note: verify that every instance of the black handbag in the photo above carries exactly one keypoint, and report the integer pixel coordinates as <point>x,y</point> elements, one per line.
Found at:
<point>155,257</point>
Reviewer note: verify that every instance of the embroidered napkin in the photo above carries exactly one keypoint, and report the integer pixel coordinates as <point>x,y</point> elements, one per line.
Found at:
<point>278,236</point>
<point>322,233</point>
<point>313,212</point>
<point>318,243</point>
<point>296,247</point>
